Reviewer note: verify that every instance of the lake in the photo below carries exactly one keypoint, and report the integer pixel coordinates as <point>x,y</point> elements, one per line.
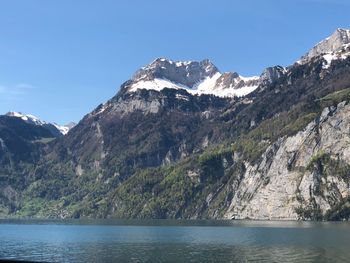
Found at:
<point>174,241</point>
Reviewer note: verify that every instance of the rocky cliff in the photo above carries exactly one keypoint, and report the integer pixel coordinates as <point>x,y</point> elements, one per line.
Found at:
<point>305,175</point>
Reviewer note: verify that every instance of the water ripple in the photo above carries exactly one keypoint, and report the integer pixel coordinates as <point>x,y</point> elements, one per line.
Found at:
<point>174,243</point>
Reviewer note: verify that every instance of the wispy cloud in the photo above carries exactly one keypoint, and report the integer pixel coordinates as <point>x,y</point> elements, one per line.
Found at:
<point>16,89</point>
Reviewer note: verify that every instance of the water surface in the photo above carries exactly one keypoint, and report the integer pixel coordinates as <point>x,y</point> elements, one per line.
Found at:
<point>174,241</point>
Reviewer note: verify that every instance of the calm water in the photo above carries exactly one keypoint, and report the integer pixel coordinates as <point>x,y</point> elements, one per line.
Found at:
<point>174,241</point>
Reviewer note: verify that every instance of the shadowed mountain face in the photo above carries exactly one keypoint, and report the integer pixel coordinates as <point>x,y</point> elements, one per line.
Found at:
<point>18,138</point>
<point>55,129</point>
<point>183,140</point>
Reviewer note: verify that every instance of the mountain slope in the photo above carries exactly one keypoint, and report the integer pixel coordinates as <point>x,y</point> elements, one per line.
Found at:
<point>143,129</point>
<point>16,135</point>
<point>21,145</point>
<point>298,143</point>
<point>182,140</point>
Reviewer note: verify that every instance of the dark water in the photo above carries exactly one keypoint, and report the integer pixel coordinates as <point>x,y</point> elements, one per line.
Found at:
<point>174,241</point>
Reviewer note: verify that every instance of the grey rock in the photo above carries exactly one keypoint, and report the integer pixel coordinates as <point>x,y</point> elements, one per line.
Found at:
<point>280,184</point>
<point>331,44</point>
<point>271,74</point>
<point>185,73</point>
<point>189,75</point>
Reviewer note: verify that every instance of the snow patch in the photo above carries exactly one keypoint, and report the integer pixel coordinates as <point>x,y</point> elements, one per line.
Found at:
<point>209,79</point>
<point>183,63</point>
<point>26,117</point>
<point>63,129</point>
<point>182,97</point>
<point>156,84</point>
<point>102,109</point>
<point>246,79</point>
<point>329,58</point>
<point>208,86</point>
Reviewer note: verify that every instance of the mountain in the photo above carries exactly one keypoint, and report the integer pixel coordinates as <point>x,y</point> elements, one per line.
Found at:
<point>16,136</point>
<point>64,129</point>
<point>183,140</point>
<point>56,130</point>
<point>22,138</point>
<point>195,77</point>
<point>335,47</point>
<point>339,40</point>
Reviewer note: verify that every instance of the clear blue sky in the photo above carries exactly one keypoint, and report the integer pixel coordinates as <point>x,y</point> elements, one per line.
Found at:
<point>59,59</point>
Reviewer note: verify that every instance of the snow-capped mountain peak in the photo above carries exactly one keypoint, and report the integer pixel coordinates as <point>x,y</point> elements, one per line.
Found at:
<point>29,118</point>
<point>64,129</point>
<point>196,77</point>
<point>185,73</point>
<point>26,117</point>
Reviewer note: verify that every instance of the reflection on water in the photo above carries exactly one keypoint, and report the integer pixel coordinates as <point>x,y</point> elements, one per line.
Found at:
<point>174,241</point>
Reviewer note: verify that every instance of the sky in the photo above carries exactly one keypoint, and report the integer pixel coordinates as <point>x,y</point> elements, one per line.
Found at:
<point>59,59</point>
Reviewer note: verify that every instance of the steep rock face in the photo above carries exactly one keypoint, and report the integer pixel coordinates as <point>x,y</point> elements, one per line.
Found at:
<point>272,74</point>
<point>292,176</point>
<point>333,43</point>
<point>334,48</point>
<point>187,73</point>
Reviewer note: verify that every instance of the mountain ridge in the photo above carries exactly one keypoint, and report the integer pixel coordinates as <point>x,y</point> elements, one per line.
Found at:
<point>29,118</point>
<point>207,79</point>
<point>196,77</point>
<point>164,152</point>
<point>333,43</point>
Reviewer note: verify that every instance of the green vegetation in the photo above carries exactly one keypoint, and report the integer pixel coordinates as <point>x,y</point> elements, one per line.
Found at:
<point>310,213</point>
<point>336,97</point>
<point>286,123</point>
<point>199,185</point>
<point>123,157</point>
<point>340,211</point>
<point>154,193</point>
<point>324,165</point>
<point>44,140</point>
<point>253,144</point>
<point>318,159</point>
<point>327,165</point>
<point>211,160</point>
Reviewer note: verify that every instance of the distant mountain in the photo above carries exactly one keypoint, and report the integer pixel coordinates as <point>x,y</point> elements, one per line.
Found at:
<point>183,140</point>
<point>53,127</point>
<point>20,141</point>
